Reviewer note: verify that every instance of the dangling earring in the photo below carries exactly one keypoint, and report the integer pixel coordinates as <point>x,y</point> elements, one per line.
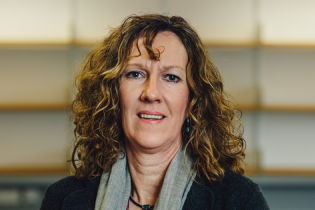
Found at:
<point>186,129</point>
<point>187,125</point>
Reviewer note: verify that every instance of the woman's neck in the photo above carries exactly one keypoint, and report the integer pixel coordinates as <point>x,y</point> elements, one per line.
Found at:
<point>148,170</point>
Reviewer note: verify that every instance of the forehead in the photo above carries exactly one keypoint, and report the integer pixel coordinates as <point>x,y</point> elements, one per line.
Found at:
<point>167,44</point>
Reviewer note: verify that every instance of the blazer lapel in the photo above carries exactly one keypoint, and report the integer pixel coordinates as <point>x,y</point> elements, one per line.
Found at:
<point>92,188</point>
<point>83,199</point>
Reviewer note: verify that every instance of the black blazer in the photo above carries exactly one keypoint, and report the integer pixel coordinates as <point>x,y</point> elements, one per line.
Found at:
<point>234,192</point>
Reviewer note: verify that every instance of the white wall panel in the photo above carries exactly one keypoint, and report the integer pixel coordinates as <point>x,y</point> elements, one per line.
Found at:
<point>253,151</point>
<point>34,76</point>
<point>95,17</point>
<point>237,67</point>
<point>287,140</point>
<point>287,77</point>
<point>218,20</point>
<point>34,139</point>
<point>287,21</point>
<point>35,21</point>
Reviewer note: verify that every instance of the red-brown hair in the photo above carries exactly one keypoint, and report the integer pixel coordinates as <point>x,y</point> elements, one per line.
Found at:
<point>215,140</point>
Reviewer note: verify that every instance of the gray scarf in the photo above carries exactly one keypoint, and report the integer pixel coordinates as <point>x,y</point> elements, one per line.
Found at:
<point>115,186</point>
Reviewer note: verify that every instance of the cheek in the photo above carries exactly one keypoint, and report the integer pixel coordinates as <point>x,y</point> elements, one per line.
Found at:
<point>124,96</point>
<point>183,107</point>
<point>185,96</point>
<point>180,103</point>
<point>128,104</point>
<point>125,104</point>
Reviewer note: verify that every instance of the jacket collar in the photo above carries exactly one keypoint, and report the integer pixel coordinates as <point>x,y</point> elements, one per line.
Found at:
<point>199,197</point>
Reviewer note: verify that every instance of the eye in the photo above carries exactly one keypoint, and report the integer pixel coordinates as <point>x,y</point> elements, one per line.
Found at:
<point>134,74</point>
<point>172,78</point>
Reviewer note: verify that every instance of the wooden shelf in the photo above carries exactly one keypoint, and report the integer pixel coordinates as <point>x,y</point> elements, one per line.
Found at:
<point>33,170</point>
<point>288,45</point>
<point>64,170</point>
<point>33,44</point>
<point>229,44</point>
<point>208,44</point>
<point>88,44</point>
<point>287,108</point>
<point>248,107</point>
<point>11,44</point>
<point>259,44</point>
<point>219,44</point>
<point>276,108</point>
<point>35,107</point>
<point>280,172</point>
<point>222,44</point>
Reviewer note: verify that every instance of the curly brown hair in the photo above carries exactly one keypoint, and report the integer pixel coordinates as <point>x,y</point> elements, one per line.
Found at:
<point>215,140</point>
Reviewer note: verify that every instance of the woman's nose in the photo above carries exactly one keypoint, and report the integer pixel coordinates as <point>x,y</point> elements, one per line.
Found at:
<point>151,92</point>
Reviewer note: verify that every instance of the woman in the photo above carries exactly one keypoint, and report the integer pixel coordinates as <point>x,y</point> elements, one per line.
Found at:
<point>154,129</point>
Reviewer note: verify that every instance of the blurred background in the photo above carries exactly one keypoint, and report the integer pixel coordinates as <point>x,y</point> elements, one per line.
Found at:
<point>265,50</point>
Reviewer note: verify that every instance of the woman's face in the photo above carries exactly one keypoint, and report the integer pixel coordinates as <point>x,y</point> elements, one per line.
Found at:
<point>154,94</point>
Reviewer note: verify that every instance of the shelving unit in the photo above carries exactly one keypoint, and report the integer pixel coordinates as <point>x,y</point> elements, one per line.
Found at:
<point>255,109</point>
<point>241,55</point>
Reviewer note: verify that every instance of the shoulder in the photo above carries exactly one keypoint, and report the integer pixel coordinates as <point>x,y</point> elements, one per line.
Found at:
<point>236,182</point>
<point>68,189</point>
<point>58,191</point>
<point>66,185</point>
<point>240,192</point>
<point>234,191</point>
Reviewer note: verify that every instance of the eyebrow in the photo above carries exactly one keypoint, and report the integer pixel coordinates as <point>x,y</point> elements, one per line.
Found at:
<point>166,67</point>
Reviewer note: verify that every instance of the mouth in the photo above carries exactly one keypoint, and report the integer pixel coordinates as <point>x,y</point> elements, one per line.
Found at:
<point>151,116</point>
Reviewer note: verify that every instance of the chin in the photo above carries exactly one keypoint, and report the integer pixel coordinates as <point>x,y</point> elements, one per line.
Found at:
<point>150,143</point>
<point>153,141</point>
